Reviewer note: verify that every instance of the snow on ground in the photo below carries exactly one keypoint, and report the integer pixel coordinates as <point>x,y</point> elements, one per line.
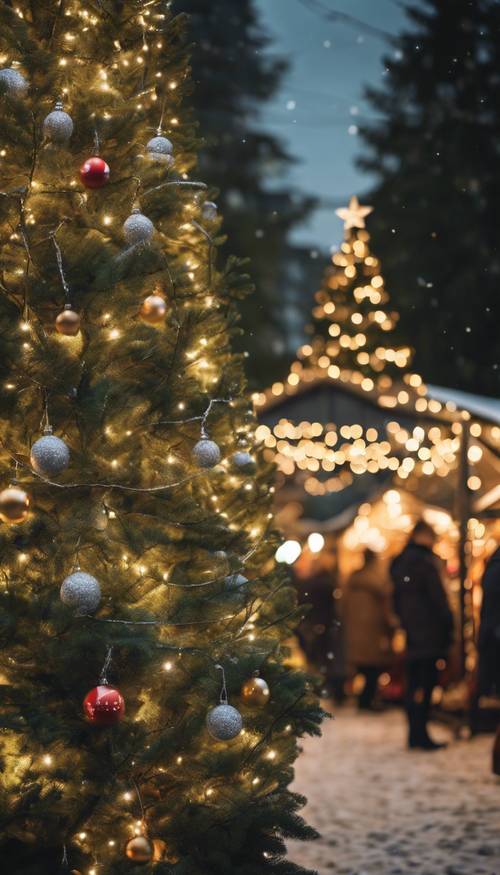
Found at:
<point>382,810</point>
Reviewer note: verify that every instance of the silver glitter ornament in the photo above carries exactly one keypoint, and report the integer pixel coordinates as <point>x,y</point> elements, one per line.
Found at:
<point>224,722</point>
<point>82,592</point>
<point>58,125</point>
<point>206,453</point>
<point>234,582</point>
<point>160,149</point>
<point>137,228</point>
<point>242,459</point>
<point>49,455</point>
<point>209,211</point>
<point>12,83</point>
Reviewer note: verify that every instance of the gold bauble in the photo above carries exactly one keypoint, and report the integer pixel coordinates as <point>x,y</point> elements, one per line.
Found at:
<point>153,309</point>
<point>139,849</point>
<point>68,322</point>
<point>255,691</point>
<point>14,505</point>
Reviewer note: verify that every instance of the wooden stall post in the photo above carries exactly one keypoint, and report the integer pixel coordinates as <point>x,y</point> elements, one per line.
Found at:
<point>463,507</point>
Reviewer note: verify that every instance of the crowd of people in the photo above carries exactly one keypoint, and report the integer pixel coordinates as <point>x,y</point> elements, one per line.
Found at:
<point>353,632</point>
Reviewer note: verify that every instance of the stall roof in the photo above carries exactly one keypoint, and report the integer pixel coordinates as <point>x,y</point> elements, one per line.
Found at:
<point>479,405</point>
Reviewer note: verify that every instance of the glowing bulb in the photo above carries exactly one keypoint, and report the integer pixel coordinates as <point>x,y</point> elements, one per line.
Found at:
<point>315,542</point>
<point>288,552</point>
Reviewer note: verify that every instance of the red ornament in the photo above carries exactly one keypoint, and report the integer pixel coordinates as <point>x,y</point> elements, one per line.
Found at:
<point>104,706</point>
<point>94,173</point>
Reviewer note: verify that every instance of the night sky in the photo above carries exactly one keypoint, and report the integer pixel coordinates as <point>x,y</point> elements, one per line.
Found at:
<point>320,103</point>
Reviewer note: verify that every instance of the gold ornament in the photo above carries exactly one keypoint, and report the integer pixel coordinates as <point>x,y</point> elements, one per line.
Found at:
<point>68,322</point>
<point>255,691</point>
<point>14,505</point>
<point>354,215</point>
<point>153,309</point>
<point>139,849</point>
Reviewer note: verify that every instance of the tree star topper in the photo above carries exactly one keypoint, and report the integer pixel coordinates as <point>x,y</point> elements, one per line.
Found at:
<point>354,215</point>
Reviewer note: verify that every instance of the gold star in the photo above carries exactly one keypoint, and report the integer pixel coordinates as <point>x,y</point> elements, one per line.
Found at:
<point>353,216</point>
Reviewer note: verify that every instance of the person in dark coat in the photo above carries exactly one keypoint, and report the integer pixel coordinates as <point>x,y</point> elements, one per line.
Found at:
<point>489,641</point>
<point>422,605</point>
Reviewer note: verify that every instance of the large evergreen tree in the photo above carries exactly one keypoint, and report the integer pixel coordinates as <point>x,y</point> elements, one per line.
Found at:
<point>233,80</point>
<point>136,539</point>
<point>434,152</point>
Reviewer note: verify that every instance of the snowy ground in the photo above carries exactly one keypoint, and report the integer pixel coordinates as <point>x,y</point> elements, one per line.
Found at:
<point>384,811</point>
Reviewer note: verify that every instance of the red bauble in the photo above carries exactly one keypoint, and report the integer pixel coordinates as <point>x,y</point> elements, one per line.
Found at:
<point>94,173</point>
<point>104,706</point>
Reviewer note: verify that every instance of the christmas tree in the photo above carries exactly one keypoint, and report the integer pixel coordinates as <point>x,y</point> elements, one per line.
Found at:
<point>433,153</point>
<point>354,351</point>
<point>149,721</point>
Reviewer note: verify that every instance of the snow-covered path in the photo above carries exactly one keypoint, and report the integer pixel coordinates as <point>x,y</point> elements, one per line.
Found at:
<point>384,811</point>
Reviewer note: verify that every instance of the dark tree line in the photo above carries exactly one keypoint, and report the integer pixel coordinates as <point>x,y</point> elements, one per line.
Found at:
<point>233,79</point>
<point>435,151</point>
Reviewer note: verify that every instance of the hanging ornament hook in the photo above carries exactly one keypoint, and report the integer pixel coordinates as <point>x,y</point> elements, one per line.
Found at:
<point>60,264</point>
<point>103,680</point>
<point>223,692</point>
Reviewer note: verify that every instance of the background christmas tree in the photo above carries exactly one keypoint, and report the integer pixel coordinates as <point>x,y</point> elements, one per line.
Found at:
<point>353,327</point>
<point>234,78</point>
<point>136,536</point>
<point>433,151</point>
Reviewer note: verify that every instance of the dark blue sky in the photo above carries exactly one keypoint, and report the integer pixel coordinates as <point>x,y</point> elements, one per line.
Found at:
<point>320,102</point>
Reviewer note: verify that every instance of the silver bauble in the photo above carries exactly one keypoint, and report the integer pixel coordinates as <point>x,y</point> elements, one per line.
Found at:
<point>49,455</point>
<point>242,459</point>
<point>137,228</point>
<point>234,582</point>
<point>206,453</point>
<point>82,592</point>
<point>209,211</point>
<point>12,83</point>
<point>224,722</point>
<point>58,125</point>
<point>160,149</point>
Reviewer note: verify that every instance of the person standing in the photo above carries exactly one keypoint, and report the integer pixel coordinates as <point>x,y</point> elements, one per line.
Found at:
<point>421,603</point>
<point>489,641</point>
<point>369,624</point>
